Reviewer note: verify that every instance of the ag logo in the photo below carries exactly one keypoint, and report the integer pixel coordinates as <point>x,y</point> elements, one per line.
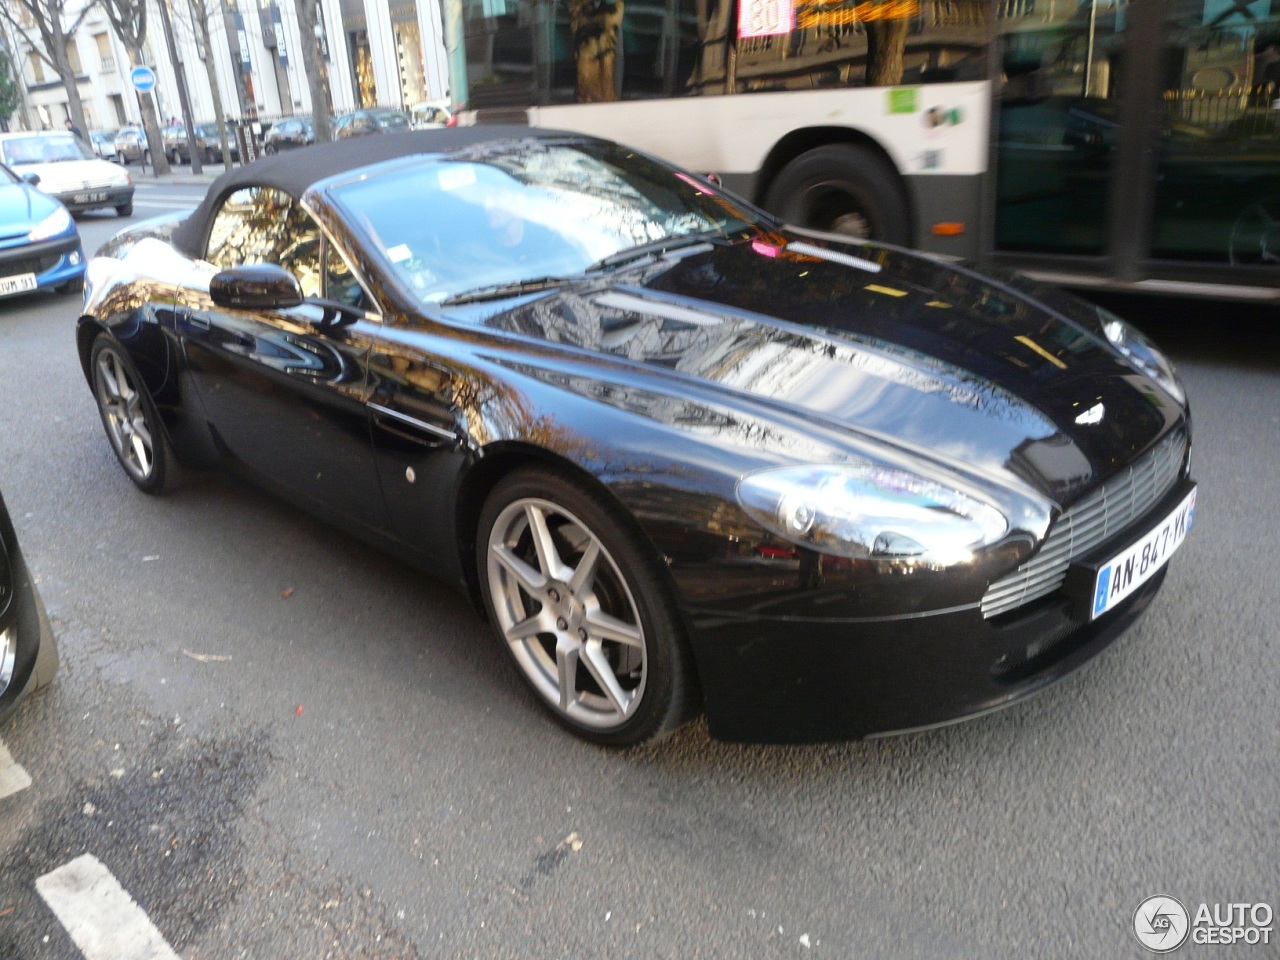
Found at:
<point>1161,924</point>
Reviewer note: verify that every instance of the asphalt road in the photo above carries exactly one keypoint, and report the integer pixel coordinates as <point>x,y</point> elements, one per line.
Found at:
<point>285,745</point>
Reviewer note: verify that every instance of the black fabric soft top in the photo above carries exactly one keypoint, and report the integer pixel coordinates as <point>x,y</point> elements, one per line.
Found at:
<point>296,170</point>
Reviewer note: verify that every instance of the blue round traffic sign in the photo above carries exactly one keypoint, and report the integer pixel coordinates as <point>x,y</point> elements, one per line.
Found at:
<point>143,79</point>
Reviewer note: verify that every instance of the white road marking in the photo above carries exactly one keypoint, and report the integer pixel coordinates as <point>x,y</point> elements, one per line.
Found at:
<point>101,917</point>
<point>12,777</point>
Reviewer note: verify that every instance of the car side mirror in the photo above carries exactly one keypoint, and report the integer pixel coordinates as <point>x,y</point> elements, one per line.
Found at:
<point>260,286</point>
<point>32,178</point>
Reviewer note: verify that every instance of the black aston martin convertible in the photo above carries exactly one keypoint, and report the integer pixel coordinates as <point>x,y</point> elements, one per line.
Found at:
<point>681,456</point>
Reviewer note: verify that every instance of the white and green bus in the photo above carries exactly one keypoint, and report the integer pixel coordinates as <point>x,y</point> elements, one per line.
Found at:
<point>1091,142</point>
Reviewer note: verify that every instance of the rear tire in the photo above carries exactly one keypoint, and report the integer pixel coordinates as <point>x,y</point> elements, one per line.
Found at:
<point>842,188</point>
<point>583,607</point>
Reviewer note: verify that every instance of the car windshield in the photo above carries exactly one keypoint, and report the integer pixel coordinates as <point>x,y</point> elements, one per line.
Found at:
<point>499,215</point>
<point>8,176</point>
<point>51,148</point>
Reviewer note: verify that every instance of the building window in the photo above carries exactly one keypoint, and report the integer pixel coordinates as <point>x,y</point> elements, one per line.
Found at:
<point>105,57</point>
<point>73,58</point>
<point>37,66</point>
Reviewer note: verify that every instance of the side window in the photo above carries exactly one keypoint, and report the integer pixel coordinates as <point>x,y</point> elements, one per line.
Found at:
<point>341,283</point>
<point>265,225</point>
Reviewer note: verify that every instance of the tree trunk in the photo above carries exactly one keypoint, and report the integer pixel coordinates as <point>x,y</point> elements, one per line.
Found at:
<point>886,48</point>
<point>201,15</point>
<point>62,66</point>
<point>595,44</point>
<point>149,122</point>
<point>316,69</point>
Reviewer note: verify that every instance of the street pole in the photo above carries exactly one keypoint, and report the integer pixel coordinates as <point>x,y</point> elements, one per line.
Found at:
<point>183,99</point>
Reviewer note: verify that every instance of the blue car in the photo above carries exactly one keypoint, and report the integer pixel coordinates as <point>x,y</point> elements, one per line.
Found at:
<point>39,243</point>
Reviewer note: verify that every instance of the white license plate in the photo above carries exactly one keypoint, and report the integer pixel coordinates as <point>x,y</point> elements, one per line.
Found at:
<point>88,198</point>
<point>20,283</point>
<point>1124,573</point>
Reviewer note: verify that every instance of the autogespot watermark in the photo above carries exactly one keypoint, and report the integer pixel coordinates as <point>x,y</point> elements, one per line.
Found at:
<point>1162,924</point>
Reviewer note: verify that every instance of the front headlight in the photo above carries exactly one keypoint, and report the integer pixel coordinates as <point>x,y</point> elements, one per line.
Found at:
<point>55,224</point>
<point>1144,354</point>
<point>869,511</point>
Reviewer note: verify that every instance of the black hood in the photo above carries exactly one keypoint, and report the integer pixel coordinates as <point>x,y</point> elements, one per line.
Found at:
<point>930,357</point>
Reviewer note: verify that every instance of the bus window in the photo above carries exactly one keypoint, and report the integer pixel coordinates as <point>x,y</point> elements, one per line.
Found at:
<point>814,44</point>
<point>1057,134</point>
<point>1217,192</point>
<point>521,53</point>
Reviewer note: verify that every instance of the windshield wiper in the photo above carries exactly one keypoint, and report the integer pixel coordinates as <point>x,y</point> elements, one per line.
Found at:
<point>654,249</point>
<point>500,290</point>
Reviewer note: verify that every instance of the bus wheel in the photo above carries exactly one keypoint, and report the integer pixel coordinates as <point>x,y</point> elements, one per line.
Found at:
<point>844,189</point>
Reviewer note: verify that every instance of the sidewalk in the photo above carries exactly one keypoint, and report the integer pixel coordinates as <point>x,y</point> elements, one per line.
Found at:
<point>178,176</point>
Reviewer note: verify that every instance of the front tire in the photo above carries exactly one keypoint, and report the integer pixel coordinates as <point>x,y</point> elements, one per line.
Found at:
<point>125,209</point>
<point>583,607</point>
<point>845,189</point>
<point>129,417</point>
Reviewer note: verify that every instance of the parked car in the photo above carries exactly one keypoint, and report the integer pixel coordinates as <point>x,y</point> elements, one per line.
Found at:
<point>68,170</point>
<point>171,135</point>
<point>288,134</point>
<point>679,453</point>
<point>39,243</point>
<point>178,147</point>
<point>104,144</point>
<point>362,123</point>
<point>131,146</point>
<point>28,649</point>
<point>430,116</point>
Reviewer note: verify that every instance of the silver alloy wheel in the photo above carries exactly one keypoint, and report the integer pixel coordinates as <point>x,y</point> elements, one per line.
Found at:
<point>567,613</point>
<point>124,414</point>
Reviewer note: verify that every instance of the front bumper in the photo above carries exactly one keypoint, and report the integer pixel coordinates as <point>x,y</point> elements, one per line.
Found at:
<point>54,262</point>
<point>802,679</point>
<point>96,198</point>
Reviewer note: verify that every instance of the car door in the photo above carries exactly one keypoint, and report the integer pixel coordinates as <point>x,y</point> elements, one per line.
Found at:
<point>285,392</point>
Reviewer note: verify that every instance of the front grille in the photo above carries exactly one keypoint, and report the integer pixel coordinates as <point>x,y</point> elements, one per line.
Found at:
<point>92,186</point>
<point>1105,512</point>
<point>29,264</point>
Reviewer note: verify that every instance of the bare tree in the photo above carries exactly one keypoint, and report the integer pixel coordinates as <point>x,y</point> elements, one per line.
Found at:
<point>129,20</point>
<point>49,20</point>
<point>201,11</point>
<point>313,63</point>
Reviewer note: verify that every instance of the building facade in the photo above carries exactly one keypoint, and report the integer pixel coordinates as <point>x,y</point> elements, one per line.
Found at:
<point>378,53</point>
